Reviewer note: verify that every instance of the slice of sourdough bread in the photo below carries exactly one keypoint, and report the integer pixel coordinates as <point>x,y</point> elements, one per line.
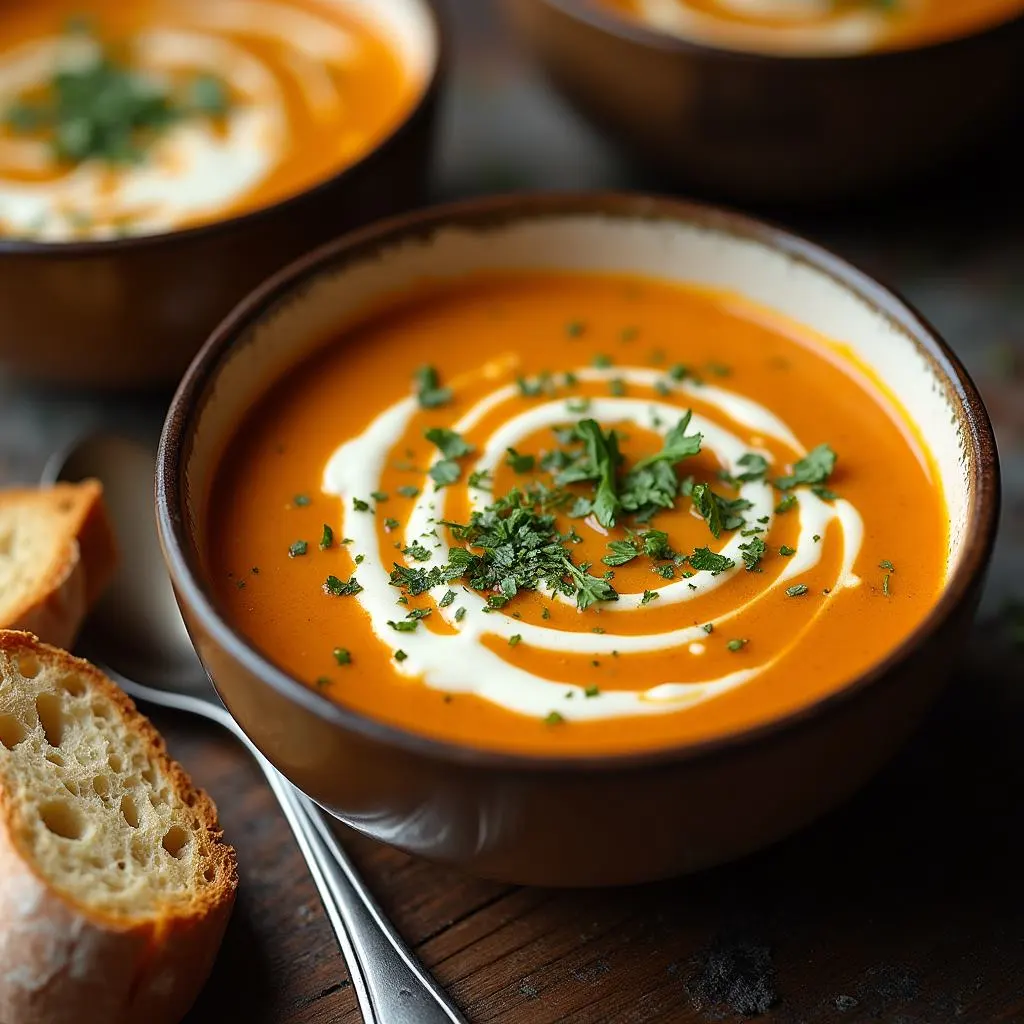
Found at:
<point>57,553</point>
<point>115,882</point>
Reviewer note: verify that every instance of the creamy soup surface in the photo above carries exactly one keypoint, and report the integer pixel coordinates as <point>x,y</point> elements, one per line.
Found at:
<point>818,26</point>
<point>255,100</point>
<point>576,513</point>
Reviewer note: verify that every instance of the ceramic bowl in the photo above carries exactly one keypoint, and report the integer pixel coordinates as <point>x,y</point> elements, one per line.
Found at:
<point>132,312</point>
<point>583,820</point>
<point>775,128</point>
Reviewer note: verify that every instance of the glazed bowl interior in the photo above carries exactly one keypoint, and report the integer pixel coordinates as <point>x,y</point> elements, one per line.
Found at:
<point>299,311</point>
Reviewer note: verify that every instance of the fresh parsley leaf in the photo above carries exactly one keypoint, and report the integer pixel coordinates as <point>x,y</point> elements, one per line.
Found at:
<point>451,444</point>
<point>408,491</point>
<point>460,614</point>
<point>600,462</point>
<point>720,513</point>
<point>887,565</point>
<point>404,625</point>
<point>515,640</point>
<point>429,392</point>
<point>326,538</point>
<point>706,560</point>
<point>620,552</point>
<point>553,718</point>
<point>649,596</point>
<point>797,590</point>
<point>449,598</point>
<point>341,588</point>
<point>786,551</point>
<point>342,656</point>
<point>391,524</point>
<point>519,463</point>
<point>379,495</point>
<point>400,655</point>
<point>480,480</point>
<point>753,552</point>
<point>299,548</point>
<point>788,502</point>
<point>814,468</point>
<point>444,472</point>
<point>416,551</point>
<point>754,467</point>
<point>360,506</point>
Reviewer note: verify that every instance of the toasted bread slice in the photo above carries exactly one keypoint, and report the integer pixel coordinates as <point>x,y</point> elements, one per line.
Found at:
<point>57,553</point>
<point>115,883</point>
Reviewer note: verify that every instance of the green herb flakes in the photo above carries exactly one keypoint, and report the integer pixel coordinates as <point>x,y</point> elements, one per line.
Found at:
<point>326,538</point>
<point>298,549</point>
<point>342,656</point>
<point>429,393</point>
<point>797,590</point>
<point>736,645</point>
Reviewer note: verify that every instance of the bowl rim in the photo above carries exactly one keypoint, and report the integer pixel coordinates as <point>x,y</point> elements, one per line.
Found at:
<point>621,26</point>
<point>498,211</point>
<point>430,86</point>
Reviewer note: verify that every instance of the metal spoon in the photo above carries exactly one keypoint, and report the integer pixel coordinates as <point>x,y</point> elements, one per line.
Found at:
<point>136,632</point>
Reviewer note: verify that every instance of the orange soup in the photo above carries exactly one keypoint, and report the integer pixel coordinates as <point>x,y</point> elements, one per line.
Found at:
<point>573,513</point>
<point>144,117</point>
<point>812,26</point>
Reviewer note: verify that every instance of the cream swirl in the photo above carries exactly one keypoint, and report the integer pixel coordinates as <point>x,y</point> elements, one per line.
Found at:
<point>458,660</point>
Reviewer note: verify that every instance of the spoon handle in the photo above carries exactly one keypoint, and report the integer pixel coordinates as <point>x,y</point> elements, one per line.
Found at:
<point>390,986</point>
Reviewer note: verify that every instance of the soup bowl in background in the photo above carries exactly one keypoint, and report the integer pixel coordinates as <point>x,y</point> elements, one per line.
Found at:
<point>776,127</point>
<point>576,820</point>
<point>131,312</point>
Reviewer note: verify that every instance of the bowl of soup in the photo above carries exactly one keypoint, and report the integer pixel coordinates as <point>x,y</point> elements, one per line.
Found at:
<point>159,159</point>
<point>791,101</point>
<point>577,540</point>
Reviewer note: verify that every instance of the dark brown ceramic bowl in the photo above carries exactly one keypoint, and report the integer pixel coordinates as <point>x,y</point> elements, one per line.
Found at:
<point>577,820</point>
<point>771,128</point>
<point>132,312</point>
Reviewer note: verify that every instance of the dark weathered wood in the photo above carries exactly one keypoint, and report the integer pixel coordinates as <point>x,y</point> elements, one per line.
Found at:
<point>906,905</point>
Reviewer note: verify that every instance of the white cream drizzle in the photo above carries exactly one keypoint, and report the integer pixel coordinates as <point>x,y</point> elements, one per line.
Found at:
<point>798,26</point>
<point>196,169</point>
<point>461,663</point>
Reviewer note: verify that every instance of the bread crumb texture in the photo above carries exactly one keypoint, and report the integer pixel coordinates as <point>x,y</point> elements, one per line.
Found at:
<point>91,799</point>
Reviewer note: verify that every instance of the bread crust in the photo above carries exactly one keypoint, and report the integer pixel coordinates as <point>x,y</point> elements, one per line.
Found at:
<point>62,962</point>
<point>57,606</point>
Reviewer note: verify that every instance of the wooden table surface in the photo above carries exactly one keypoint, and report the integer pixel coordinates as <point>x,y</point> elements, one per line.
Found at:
<point>905,906</point>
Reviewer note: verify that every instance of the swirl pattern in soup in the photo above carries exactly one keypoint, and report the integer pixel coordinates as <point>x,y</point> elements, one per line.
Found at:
<point>309,86</point>
<point>613,513</point>
<point>818,26</point>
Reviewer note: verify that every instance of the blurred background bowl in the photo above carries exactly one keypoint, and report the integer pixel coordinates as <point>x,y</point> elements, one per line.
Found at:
<point>776,128</point>
<point>132,312</point>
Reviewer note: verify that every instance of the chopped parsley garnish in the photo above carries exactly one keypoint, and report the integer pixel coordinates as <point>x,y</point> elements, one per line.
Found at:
<point>666,572</point>
<point>591,691</point>
<point>400,655</point>
<point>481,480</point>
<point>754,467</point>
<point>601,361</point>
<point>337,587</point>
<point>797,590</point>
<point>706,560</point>
<point>360,506</point>
<point>519,463</point>
<point>326,538</point>
<point>649,596</point>
<point>678,372</point>
<point>617,386</point>
<point>886,565</point>
<point>379,495</point>
<point>321,681</point>
<point>553,718</point>
<point>515,640</point>
<point>720,513</point>
<point>408,491</point>
<point>391,524</point>
<point>786,551</point>
<point>599,462</point>
<point>708,627</point>
<point>299,548</point>
<point>574,328</point>
<point>404,625</point>
<point>737,645</point>
<point>652,483</point>
<point>429,392</point>
<point>101,108</point>
<point>535,388</point>
<point>444,472</point>
<point>620,552</point>
<point>628,334</point>
<point>460,614</point>
<point>451,444</point>
<point>342,656</point>
<point>449,598</point>
<point>814,468</point>
<point>416,551</point>
<point>578,404</point>
<point>419,613</point>
<point>788,502</point>
<point>753,552</point>
<point>301,500</point>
